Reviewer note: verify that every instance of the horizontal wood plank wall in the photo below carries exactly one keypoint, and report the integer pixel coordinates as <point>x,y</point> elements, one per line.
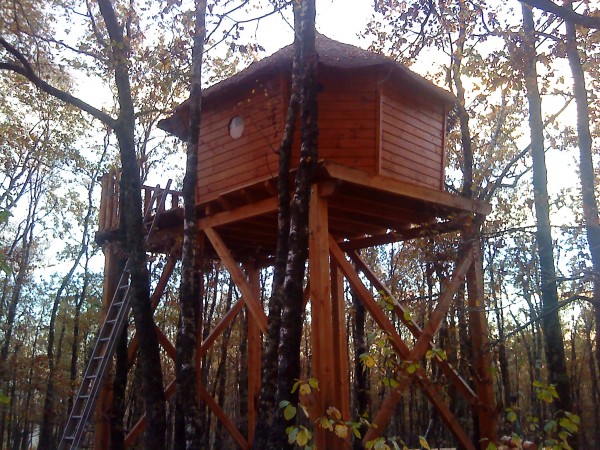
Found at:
<point>347,104</point>
<point>412,131</point>
<point>225,163</point>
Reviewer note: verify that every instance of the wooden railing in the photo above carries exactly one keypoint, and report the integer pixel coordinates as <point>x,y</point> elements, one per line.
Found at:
<point>109,201</point>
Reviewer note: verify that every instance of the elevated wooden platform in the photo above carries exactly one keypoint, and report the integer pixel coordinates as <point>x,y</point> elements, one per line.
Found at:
<point>364,210</point>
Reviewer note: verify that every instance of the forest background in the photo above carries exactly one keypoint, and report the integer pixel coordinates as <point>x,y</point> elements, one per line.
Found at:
<point>53,154</point>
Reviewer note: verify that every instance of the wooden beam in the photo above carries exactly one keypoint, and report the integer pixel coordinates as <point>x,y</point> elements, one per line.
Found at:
<point>424,342</point>
<point>444,302</point>
<point>402,235</point>
<point>225,420</point>
<point>154,300</point>
<point>340,343</point>
<point>320,298</point>
<point>468,393</point>
<point>433,394</point>
<point>478,331</point>
<point>220,327</point>
<point>239,278</point>
<point>141,423</point>
<point>241,213</point>
<point>413,191</point>
<point>165,343</point>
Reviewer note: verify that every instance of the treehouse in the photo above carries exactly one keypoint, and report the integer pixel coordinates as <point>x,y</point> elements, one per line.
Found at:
<point>380,126</point>
<point>379,179</point>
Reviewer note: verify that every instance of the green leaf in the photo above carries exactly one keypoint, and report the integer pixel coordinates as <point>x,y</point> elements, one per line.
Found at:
<point>303,437</point>
<point>289,412</point>
<point>4,215</point>
<point>4,399</point>
<point>292,433</point>
<point>367,360</point>
<point>573,418</point>
<point>568,425</point>
<point>295,386</point>
<point>305,389</point>
<point>511,416</point>
<point>550,426</point>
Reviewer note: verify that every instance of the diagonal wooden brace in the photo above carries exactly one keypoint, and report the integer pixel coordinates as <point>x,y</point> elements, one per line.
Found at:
<point>468,393</point>
<point>239,278</point>
<point>418,351</point>
<point>401,348</point>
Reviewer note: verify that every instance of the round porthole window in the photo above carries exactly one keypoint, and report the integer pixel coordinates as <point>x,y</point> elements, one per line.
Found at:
<point>236,127</point>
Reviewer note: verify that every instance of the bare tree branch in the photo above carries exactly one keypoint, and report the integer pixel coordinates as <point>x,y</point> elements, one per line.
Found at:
<point>25,69</point>
<point>564,13</point>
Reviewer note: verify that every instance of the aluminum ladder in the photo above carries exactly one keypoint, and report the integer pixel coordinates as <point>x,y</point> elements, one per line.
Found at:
<point>104,348</point>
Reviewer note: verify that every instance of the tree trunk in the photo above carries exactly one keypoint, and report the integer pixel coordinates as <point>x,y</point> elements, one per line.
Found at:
<point>27,242</point>
<point>242,375</point>
<point>586,170</point>
<point>49,415</point>
<point>132,228</point>
<point>553,338</point>
<point>221,374</point>
<point>117,410</point>
<point>361,374</point>
<point>189,291</point>
<point>292,301</point>
<point>266,405</point>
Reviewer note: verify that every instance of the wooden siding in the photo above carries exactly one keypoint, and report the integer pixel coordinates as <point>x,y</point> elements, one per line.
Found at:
<point>365,123</point>
<point>224,163</point>
<point>347,119</point>
<point>412,137</point>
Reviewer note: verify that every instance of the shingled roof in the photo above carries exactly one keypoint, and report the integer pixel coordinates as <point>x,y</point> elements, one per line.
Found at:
<point>331,54</point>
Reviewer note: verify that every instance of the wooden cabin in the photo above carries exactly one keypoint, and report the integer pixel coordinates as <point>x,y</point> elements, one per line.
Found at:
<point>374,115</point>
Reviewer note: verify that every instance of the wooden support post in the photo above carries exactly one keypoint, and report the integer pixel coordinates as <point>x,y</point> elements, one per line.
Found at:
<point>103,206</point>
<point>340,343</point>
<point>486,409</point>
<point>254,362</point>
<point>321,314</point>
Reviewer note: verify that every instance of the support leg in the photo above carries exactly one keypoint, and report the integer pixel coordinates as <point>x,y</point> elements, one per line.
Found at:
<point>486,410</point>
<point>320,304</point>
